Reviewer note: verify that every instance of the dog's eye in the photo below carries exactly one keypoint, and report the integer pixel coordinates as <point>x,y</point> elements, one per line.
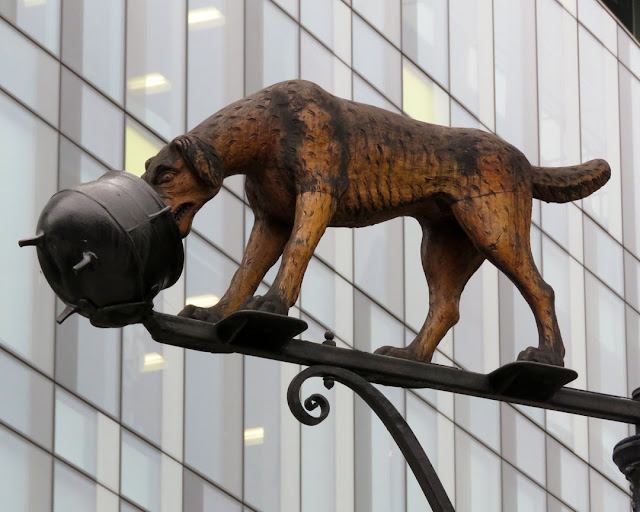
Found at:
<point>166,177</point>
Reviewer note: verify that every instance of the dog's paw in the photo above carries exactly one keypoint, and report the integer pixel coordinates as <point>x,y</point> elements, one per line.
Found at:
<point>268,304</point>
<point>541,355</point>
<point>211,315</point>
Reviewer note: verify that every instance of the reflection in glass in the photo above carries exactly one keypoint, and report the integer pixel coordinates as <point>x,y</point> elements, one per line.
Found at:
<point>630,159</point>
<point>201,496</point>
<point>38,18</point>
<point>515,78</point>
<point>628,53</point>
<point>88,361</point>
<point>148,477</point>
<point>85,23</point>
<point>329,298</point>
<point>29,73</point>
<point>598,20</point>
<point>364,93</point>
<point>77,166</point>
<point>603,436</point>
<point>25,474</point>
<point>600,128</point>
<point>435,434</point>
<point>88,439</point>
<point>140,145</point>
<point>271,437</point>
<point>29,150</point>
<point>478,483</point>
<point>519,494</point>
<point>383,15</point>
<point>271,46</point>
<point>606,363</point>
<point>73,491</point>
<point>377,60</point>
<point>156,64</point>
<point>319,65</point>
<point>27,402</point>
<point>91,120</point>
<point>422,99</point>
<point>567,475</point>
<point>523,443</point>
<point>425,36</point>
<point>152,389</point>
<point>606,496</point>
<point>378,263</point>
<point>603,255</point>
<point>330,22</point>
<point>215,66</point>
<point>471,56</point>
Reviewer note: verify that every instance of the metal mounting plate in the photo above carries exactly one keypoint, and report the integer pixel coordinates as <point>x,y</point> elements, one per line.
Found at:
<point>526,379</point>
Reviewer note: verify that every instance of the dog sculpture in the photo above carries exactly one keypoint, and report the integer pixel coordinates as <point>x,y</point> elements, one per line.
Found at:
<point>313,160</point>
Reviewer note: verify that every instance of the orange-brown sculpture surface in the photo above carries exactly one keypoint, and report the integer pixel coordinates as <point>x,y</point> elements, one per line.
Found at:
<point>313,160</point>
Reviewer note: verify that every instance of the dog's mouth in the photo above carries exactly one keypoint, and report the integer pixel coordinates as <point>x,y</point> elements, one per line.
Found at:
<point>181,211</point>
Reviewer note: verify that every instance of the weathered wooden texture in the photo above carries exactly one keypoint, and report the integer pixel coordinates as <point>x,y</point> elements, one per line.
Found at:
<point>312,160</point>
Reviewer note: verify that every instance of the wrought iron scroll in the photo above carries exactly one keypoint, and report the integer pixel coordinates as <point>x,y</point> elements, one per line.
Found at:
<point>388,414</point>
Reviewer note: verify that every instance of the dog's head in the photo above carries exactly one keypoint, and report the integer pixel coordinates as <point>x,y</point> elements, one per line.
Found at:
<point>186,173</point>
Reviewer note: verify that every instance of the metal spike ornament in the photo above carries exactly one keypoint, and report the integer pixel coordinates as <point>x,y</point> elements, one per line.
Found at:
<point>107,248</point>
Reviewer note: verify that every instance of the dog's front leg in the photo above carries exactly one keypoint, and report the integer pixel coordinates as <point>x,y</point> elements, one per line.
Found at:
<point>266,243</point>
<point>313,214</point>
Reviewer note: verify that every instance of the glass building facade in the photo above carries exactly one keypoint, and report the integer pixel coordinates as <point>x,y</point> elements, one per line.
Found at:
<point>108,420</point>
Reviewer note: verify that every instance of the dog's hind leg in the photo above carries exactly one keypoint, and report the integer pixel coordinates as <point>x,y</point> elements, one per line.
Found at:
<point>449,259</point>
<point>498,225</point>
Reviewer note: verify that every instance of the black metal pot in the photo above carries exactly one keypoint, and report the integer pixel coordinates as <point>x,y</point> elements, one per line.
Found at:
<point>107,248</point>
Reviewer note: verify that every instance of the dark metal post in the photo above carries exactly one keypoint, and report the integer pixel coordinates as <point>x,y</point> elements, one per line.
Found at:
<point>626,455</point>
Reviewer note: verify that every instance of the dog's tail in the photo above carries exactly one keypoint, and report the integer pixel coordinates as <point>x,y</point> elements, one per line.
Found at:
<point>564,184</point>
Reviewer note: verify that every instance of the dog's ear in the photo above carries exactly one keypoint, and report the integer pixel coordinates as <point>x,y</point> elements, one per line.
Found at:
<point>147,163</point>
<point>201,158</point>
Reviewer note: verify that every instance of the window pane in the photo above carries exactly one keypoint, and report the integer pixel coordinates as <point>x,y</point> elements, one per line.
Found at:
<point>605,340</point>
<point>364,93</point>
<point>523,444</point>
<point>515,79</point>
<point>630,158</point>
<point>76,166</point>
<point>216,45</point>
<point>28,406</point>
<point>319,65</point>
<point>435,434</point>
<point>471,52</point>
<point>336,249</point>
<point>329,21</point>
<point>155,64</point>
<point>379,263</point>
<point>88,361</point>
<point>606,496</point>
<point>152,386</point>
<point>425,36</point>
<point>480,417</point>
<point>148,477</point>
<point>29,73</point>
<point>598,20</point>
<point>567,476</point>
<point>478,486</point>
<point>628,52</point>
<point>271,437</point>
<point>88,25</point>
<point>600,128</point>
<point>91,120</point>
<point>201,496</point>
<point>377,61</point>
<point>88,439</point>
<point>329,298</point>
<point>383,15</point>
<point>603,255</point>
<point>519,494</point>
<point>29,149</point>
<point>271,46</point>
<point>476,335</point>
<point>422,99</point>
<point>603,436</point>
<point>73,491</point>
<point>25,475</point>
<point>140,145</point>
<point>41,20</point>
